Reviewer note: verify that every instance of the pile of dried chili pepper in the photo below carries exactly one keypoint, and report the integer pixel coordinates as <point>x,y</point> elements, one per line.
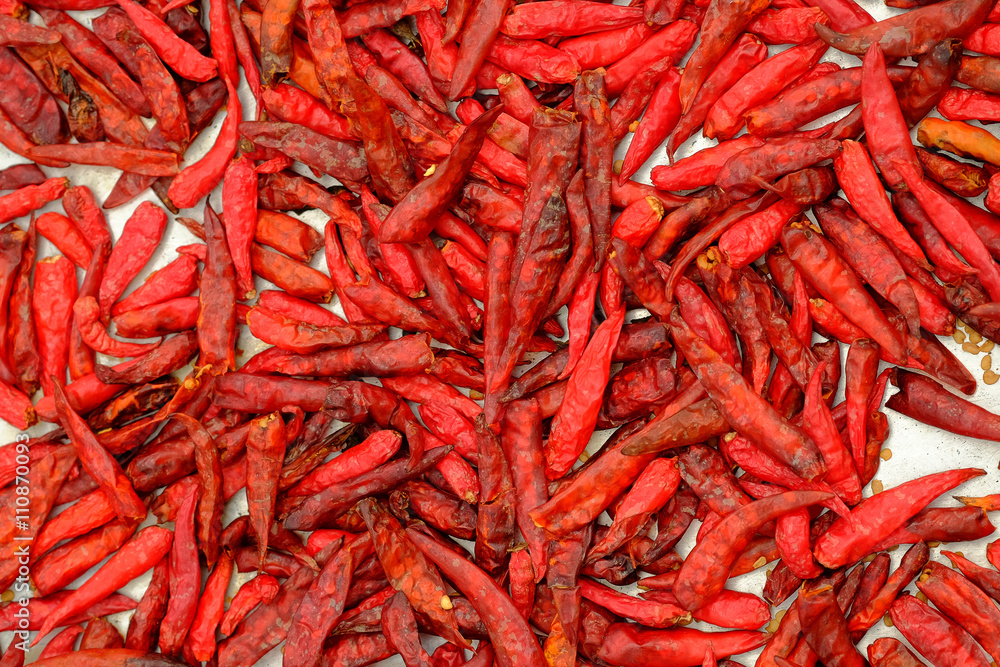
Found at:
<point>502,383</point>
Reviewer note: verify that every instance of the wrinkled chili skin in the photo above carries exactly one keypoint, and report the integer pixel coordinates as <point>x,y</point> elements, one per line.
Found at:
<point>723,23</point>
<point>216,324</point>
<point>590,98</point>
<point>914,32</point>
<point>930,80</point>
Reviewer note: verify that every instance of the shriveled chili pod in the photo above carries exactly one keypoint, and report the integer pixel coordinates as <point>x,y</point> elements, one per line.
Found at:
<point>925,400</point>
<point>913,32</point>
<point>239,206</point>
<point>843,543</point>
<point>723,23</point>
<point>936,637</point>
<point>890,652</point>
<point>53,296</point>
<point>217,300</point>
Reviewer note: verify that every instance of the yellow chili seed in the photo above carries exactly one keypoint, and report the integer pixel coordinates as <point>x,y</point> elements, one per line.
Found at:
<point>958,335</point>
<point>986,362</point>
<point>989,377</point>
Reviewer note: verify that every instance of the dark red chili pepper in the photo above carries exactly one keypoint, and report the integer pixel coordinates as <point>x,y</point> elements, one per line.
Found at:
<point>913,32</point>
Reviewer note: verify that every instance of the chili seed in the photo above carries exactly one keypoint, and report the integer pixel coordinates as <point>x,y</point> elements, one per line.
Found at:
<point>975,337</point>
<point>989,377</point>
<point>877,486</point>
<point>971,348</point>
<point>986,362</point>
<point>959,336</point>
<point>885,454</point>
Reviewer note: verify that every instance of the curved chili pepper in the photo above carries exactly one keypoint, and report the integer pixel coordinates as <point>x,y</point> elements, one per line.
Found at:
<point>722,24</point>
<point>659,119</point>
<point>758,86</point>
<point>745,54</point>
<point>885,126</point>
<point>912,32</point>
<point>259,590</point>
<point>513,641</point>
<point>198,179</point>
<point>707,567</point>
<point>927,401</point>
<point>239,205</point>
<point>87,318</point>
<point>953,226</point>
<point>930,80</point>
<point>143,232</point>
<point>182,57</point>
<point>133,559</point>
<point>845,543</point>
<point>733,396</point>
<point>869,255</point>
<point>831,276</point>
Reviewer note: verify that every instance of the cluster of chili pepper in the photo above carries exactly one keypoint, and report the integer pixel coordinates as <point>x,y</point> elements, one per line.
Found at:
<point>426,388</point>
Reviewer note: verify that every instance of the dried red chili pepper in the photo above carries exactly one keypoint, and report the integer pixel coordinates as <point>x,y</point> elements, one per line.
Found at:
<point>198,179</point>
<point>936,637</point>
<point>889,652</point>
<point>133,559</point>
<point>722,24</point>
<point>843,543</point>
<point>239,205</point>
<point>143,232</point>
<point>630,645</point>
<point>182,57</point>
<point>758,86</point>
<point>19,175</point>
<point>97,462</point>
<point>913,32</point>
<point>512,639</point>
